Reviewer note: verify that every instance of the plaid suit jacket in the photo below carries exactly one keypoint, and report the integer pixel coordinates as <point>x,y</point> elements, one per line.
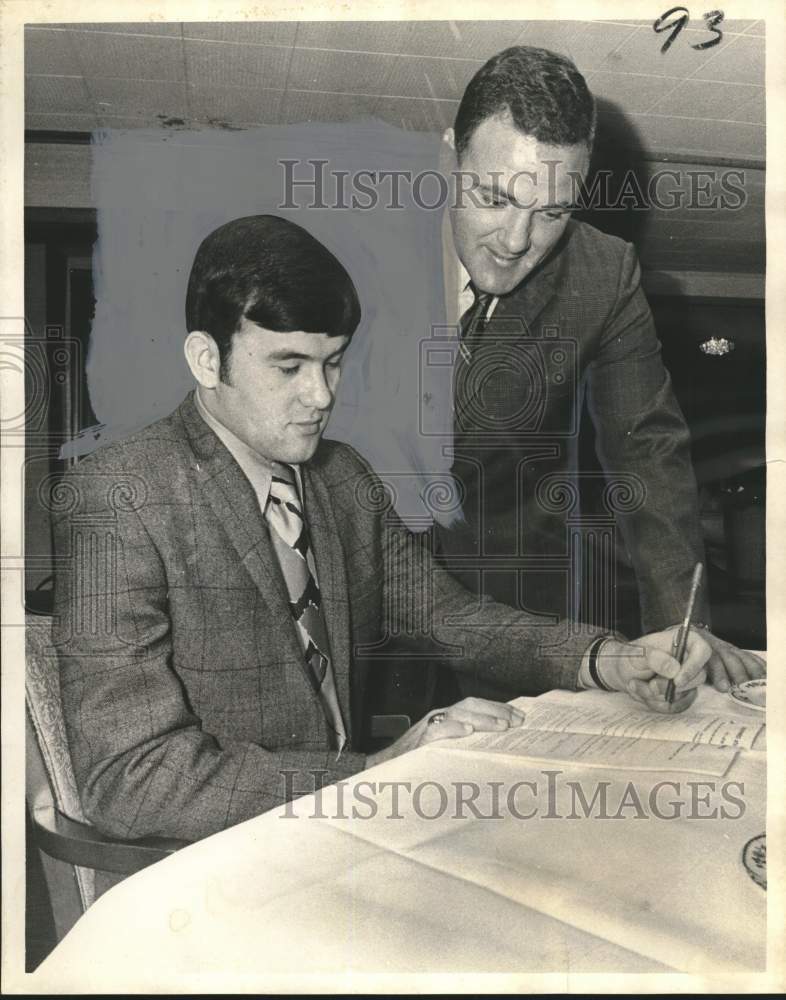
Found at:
<point>184,690</point>
<point>580,326</point>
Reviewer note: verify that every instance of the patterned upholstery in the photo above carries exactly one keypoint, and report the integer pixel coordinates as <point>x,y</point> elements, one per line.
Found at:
<point>42,695</point>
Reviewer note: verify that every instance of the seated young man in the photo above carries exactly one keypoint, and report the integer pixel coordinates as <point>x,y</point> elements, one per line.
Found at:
<point>226,562</point>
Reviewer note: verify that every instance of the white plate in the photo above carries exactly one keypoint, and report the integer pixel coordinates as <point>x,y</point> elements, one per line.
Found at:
<point>751,694</point>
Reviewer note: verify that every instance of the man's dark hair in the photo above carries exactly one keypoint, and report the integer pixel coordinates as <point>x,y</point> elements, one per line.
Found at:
<point>544,93</point>
<point>273,273</point>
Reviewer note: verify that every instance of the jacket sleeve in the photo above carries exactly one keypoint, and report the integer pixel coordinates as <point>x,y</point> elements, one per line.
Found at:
<point>143,763</point>
<point>640,430</point>
<point>423,602</point>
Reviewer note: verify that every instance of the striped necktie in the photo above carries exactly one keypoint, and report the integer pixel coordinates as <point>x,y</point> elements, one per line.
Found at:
<point>471,326</point>
<point>289,535</point>
<point>472,322</point>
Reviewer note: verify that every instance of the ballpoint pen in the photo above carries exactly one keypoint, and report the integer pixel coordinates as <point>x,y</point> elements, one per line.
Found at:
<point>681,637</point>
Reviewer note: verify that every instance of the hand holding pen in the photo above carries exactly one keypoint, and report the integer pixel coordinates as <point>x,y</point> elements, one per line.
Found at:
<point>681,636</point>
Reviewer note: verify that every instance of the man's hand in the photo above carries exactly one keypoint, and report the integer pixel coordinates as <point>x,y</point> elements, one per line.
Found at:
<point>728,665</point>
<point>643,668</point>
<point>465,717</point>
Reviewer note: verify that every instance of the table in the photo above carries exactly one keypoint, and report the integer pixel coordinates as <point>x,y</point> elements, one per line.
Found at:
<point>287,893</point>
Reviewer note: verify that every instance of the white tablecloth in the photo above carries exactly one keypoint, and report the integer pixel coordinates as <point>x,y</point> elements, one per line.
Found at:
<point>300,895</point>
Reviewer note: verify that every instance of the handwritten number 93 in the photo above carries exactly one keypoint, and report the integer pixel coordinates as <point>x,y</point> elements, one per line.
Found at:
<point>712,17</point>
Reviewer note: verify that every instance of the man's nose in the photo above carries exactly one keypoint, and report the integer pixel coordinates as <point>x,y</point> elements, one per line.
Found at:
<point>517,233</point>
<point>316,393</point>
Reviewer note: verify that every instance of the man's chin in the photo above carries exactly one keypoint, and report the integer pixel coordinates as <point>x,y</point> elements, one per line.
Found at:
<point>500,281</point>
<point>508,285</point>
<point>301,451</point>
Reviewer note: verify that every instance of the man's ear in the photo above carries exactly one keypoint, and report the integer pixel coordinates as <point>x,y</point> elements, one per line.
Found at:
<point>203,358</point>
<point>449,137</point>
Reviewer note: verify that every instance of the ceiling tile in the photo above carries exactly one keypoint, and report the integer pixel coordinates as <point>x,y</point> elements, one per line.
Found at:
<point>432,38</point>
<point>641,53</point>
<point>128,56</point>
<point>127,27</point>
<point>741,61</point>
<point>754,110</point>
<point>243,32</point>
<point>735,26</point>
<point>592,46</point>
<point>227,64</point>
<point>435,78</point>
<point>700,99</point>
<point>417,116</point>
<point>230,104</point>
<point>149,98</point>
<point>123,27</point>
<point>333,72</point>
<point>300,106</point>
<point>151,28</point>
<point>555,35</point>
<point>354,36</point>
<point>58,95</point>
<point>451,39</point>
<point>483,39</point>
<point>626,90</point>
<point>50,53</point>
<point>62,123</point>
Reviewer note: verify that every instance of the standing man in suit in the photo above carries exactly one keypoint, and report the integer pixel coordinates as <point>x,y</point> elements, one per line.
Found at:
<point>549,309</point>
<point>223,569</point>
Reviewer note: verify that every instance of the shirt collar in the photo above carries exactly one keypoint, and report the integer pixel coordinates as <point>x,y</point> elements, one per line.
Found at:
<point>258,470</point>
<point>464,278</point>
<point>458,295</point>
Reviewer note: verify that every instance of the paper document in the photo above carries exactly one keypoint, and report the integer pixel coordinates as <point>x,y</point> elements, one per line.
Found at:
<point>628,753</point>
<point>710,730</point>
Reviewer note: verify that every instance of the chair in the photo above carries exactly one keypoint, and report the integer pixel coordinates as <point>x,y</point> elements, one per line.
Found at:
<point>71,850</point>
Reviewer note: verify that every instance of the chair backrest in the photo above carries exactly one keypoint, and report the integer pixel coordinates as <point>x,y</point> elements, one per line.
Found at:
<point>49,772</point>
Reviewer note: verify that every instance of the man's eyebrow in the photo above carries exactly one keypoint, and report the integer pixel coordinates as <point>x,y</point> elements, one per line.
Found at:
<point>495,189</point>
<point>285,355</point>
<point>288,356</point>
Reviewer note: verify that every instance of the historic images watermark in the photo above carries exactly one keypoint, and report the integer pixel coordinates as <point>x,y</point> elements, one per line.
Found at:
<point>666,189</point>
<point>550,797</point>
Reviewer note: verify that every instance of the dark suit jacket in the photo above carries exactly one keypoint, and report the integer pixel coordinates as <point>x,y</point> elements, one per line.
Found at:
<point>579,324</point>
<point>184,690</point>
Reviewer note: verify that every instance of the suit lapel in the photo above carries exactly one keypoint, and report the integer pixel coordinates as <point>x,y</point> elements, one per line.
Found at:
<point>331,570</point>
<point>235,505</point>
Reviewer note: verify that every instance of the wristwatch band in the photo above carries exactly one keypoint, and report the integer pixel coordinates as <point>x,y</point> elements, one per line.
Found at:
<point>592,663</point>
